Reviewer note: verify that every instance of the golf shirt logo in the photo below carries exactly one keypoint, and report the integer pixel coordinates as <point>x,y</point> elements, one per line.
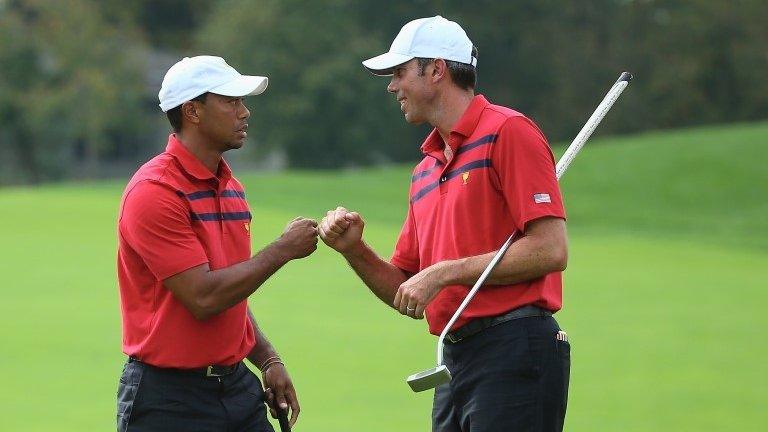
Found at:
<point>465,177</point>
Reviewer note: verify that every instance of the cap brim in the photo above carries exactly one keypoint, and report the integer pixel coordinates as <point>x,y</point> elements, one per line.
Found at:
<point>245,85</point>
<point>384,64</point>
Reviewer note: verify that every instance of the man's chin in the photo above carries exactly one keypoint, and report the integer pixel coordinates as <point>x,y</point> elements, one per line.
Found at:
<point>234,145</point>
<point>413,119</point>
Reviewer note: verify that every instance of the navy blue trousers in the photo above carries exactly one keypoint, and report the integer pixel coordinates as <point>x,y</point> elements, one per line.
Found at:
<point>155,399</point>
<point>512,377</point>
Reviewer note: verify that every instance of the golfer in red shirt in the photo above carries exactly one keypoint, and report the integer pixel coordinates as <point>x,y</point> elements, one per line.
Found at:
<point>487,171</point>
<point>186,271</point>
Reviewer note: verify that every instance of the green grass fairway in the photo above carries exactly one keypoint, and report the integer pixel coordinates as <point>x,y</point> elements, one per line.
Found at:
<point>665,294</point>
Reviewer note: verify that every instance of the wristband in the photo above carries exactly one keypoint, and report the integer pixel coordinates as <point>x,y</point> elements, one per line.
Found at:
<point>269,362</point>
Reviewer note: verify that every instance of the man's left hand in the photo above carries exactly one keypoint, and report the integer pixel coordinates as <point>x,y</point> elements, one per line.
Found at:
<point>414,295</point>
<point>280,392</point>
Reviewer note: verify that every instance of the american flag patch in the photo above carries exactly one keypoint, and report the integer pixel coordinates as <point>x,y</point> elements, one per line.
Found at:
<point>541,198</point>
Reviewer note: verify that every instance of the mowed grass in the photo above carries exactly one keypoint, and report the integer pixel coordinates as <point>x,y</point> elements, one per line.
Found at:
<point>664,298</point>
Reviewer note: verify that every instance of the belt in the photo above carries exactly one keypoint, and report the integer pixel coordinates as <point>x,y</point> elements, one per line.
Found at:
<point>206,371</point>
<point>479,324</point>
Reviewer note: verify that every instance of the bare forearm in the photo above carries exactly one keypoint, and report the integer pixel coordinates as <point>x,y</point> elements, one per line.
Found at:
<point>263,350</point>
<point>229,286</point>
<point>207,292</point>
<point>381,277</point>
<point>524,260</point>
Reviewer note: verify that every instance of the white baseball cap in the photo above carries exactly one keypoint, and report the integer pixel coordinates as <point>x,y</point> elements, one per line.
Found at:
<point>434,37</point>
<point>193,76</point>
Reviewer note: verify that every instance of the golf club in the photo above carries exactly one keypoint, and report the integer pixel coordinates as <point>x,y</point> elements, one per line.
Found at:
<point>282,418</point>
<point>440,374</point>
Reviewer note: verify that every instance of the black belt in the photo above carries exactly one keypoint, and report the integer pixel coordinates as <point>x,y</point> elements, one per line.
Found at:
<point>479,324</point>
<point>207,371</point>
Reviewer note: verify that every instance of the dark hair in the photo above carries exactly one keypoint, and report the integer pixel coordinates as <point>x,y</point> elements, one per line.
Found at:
<point>463,75</point>
<point>174,114</point>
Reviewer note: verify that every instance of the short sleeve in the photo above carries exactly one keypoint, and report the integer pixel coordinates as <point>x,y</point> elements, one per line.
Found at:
<point>155,222</point>
<point>526,169</point>
<point>406,254</point>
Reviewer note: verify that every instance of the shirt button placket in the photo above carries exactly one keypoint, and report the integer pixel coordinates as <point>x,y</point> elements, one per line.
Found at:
<point>441,185</point>
<point>219,210</point>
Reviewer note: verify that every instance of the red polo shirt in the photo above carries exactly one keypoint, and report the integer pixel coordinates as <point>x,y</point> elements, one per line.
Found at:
<point>501,177</point>
<point>175,215</point>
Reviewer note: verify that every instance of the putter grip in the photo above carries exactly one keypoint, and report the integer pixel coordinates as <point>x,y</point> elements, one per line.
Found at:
<point>282,418</point>
<point>625,76</point>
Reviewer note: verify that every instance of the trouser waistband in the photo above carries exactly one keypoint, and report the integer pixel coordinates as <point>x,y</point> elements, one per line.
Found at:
<point>206,371</point>
<point>479,324</point>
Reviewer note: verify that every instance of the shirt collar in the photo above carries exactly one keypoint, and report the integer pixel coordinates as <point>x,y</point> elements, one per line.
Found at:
<point>464,126</point>
<point>468,121</point>
<point>192,165</point>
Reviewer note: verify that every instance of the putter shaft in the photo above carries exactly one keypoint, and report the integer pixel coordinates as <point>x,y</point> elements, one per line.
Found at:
<point>437,376</point>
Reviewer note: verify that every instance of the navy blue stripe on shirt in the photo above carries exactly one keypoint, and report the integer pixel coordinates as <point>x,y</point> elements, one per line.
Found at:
<point>201,194</point>
<point>422,174</point>
<point>423,191</point>
<point>230,216</point>
<point>228,193</point>
<point>482,163</point>
<point>426,172</point>
<point>488,139</point>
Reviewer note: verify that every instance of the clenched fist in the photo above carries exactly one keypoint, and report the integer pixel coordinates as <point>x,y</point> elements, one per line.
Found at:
<point>341,229</point>
<point>299,239</point>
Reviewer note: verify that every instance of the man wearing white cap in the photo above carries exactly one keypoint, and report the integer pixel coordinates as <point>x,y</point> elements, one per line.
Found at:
<point>487,171</point>
<point>185,269</point>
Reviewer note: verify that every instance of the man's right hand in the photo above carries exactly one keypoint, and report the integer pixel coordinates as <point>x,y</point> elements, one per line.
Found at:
<point>299,239</point>
<point>342,230</point>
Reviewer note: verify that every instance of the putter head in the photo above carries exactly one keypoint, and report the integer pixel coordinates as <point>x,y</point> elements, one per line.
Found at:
<point>429,378</point>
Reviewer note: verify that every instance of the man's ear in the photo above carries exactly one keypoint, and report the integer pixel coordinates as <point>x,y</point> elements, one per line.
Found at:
<point>439,69</point>
<point>190,111</point>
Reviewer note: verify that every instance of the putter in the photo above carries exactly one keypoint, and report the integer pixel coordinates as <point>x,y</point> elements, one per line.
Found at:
<point>440,374</point>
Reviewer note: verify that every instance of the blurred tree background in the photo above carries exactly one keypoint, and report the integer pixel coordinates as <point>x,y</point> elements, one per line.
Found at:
<point>79,79</point>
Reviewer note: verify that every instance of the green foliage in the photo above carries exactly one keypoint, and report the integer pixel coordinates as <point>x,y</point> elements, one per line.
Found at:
<point>663,317</point>
<point>79,79</point>
<point>166,24</point>
<point>72,89</point>
<point>695,62</point>
<point>321,106</point>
